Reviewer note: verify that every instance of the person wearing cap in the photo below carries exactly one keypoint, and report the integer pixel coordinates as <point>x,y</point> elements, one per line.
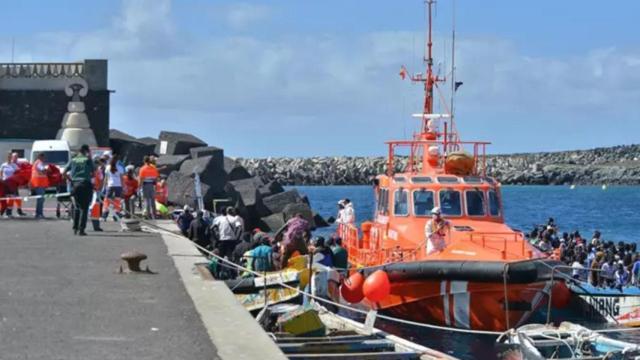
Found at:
<point>184,220</point>
<point>435,232</point>
<point>80,172</point>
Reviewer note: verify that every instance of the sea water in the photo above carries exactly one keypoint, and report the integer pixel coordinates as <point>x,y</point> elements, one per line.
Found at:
<point>614,211</point>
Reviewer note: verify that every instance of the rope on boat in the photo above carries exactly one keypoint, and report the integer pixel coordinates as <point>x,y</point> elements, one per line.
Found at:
<point>156,228</point>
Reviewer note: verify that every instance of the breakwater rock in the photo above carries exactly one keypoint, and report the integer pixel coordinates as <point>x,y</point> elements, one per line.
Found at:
<point>618,165</point>
<point>224,182</point>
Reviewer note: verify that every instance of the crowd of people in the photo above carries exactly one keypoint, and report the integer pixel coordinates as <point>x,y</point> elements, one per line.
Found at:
<point>596,261</point>
<point>225,236</point>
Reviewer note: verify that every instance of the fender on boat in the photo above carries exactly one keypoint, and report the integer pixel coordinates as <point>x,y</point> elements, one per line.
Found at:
<point>479,271</point>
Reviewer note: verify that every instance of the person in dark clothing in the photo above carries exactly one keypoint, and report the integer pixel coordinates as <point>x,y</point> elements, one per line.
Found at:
<point>199,231</point>
<point>242,247</point>
<point>340,255</point>
<point>321,254</point>
<point>80,172</point>
<point>184,220</point>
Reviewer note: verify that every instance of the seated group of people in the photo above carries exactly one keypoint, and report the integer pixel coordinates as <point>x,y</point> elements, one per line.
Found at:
<point>257,251</point>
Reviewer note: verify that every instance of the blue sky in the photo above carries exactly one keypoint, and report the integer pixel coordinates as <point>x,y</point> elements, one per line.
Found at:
<point>302,78</point>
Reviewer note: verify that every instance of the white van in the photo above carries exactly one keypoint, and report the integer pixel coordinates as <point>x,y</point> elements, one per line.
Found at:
<point>56,152</point>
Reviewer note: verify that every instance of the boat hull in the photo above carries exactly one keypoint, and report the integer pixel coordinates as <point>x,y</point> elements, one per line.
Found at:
<point>463,304</point>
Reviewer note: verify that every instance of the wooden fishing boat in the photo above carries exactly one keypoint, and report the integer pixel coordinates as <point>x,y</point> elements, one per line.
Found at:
<point>338,337</point>
<point>487,276</point>
<point>567,341</point>
<point>611,305</point>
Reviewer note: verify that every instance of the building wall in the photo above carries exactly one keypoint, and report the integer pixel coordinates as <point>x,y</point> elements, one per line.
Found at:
<point>33,101</point>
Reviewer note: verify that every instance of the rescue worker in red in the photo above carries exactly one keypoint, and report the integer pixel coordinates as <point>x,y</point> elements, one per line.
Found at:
<point>162,192</point>
<point>39,183</point>
<point>7,170</point>
<point>129,189</point>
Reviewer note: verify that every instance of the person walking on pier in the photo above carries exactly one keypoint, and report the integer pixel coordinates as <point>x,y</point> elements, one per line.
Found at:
<point>80,172</point>
<point>39,183</point>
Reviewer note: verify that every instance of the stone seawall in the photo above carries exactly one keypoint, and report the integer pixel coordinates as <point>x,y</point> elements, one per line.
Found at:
<point>618,165</point>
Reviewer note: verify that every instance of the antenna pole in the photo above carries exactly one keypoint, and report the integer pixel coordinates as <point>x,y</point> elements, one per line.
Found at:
<point>453,60</point>
<point>428,85</point>
<point>13,48</point>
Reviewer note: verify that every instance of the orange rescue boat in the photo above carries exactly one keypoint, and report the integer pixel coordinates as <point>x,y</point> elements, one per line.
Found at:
<point>487,276</point>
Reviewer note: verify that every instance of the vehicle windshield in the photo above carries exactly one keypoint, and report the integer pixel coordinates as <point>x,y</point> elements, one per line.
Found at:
<point>475,202</point>
<point>422,202</point>
<point>450,202</point>
<point>401,203</point>
<point>494,203</point>
<point>60,158</point>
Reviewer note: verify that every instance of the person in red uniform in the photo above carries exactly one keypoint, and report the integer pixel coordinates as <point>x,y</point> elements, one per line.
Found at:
<point>129,189</point>
<point>39,183</point>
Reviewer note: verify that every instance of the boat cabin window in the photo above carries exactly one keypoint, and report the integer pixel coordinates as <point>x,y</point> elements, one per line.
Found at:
<point>489,180</point>
<point>447,179</point>
<point>494,203</point>
<point>383,201</point>
<point>400,179</point>
<point>450,203</point>
<point>421,180</point>
<point>475,202</point>
<point>472,179</point>
<point>422,202</point>
<point>401,202</point>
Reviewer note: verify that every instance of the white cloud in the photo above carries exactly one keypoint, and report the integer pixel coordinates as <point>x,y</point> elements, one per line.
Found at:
<point>326,81</point>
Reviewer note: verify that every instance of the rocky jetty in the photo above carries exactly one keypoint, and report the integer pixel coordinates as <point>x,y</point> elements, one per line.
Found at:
<point>619,165</point>
<point>224,181</point>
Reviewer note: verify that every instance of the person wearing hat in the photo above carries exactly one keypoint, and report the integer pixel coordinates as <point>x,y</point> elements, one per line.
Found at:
<point>435,232</point>
<point>346,213</point>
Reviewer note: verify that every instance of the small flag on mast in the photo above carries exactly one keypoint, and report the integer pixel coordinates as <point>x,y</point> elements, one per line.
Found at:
<point>457,85</point>
<point>403,72</point>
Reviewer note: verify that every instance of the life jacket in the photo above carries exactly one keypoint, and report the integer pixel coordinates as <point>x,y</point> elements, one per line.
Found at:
<point>98,179</point>
<point>162,192</point>
<point>39,179</point>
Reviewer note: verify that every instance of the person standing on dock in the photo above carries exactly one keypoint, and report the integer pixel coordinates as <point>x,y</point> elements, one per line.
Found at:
<point>435,232</point>
<point>80,172</point>
<point>6,171</point>
<point>39,183</point>
<point>149,176</point>
<point>230,228</point>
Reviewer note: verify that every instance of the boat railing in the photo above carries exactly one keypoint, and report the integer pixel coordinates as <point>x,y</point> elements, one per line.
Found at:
<point>508,243</point>
<point>367,250</point>
<point>416,154</point>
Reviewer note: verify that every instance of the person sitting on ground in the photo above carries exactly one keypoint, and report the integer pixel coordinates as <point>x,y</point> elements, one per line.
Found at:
<point>198,232</point>
<point>340,255</point>
<point>321,254</point>
<point>435,232</point>
<point>184,220</point>
<point>622,276</point>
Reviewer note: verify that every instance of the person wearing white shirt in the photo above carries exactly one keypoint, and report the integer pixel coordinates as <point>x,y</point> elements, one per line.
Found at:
<point>113,186</point>
<point>229,229</point>
<point>6,171</point>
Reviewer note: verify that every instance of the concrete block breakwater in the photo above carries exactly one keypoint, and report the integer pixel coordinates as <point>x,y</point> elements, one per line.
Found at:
<point>618,165</point>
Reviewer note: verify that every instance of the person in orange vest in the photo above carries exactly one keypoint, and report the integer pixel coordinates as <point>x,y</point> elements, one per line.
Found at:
<point>95,209</point>
<point>162,193</point>
<point>39,183</point>
<point>149,176</point>
<point>129,189</point>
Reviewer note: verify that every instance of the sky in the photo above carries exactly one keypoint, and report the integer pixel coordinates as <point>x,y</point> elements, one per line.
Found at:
<point>320,78</point>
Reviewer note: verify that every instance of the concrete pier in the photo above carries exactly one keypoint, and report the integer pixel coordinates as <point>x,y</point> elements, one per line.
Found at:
<point>61,297</point>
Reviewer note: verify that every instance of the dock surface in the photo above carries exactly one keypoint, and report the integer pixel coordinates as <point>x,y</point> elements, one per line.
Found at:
<point>61,297</point>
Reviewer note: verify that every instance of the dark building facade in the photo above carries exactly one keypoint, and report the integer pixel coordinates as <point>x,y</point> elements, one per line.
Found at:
<point>33,100</point>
